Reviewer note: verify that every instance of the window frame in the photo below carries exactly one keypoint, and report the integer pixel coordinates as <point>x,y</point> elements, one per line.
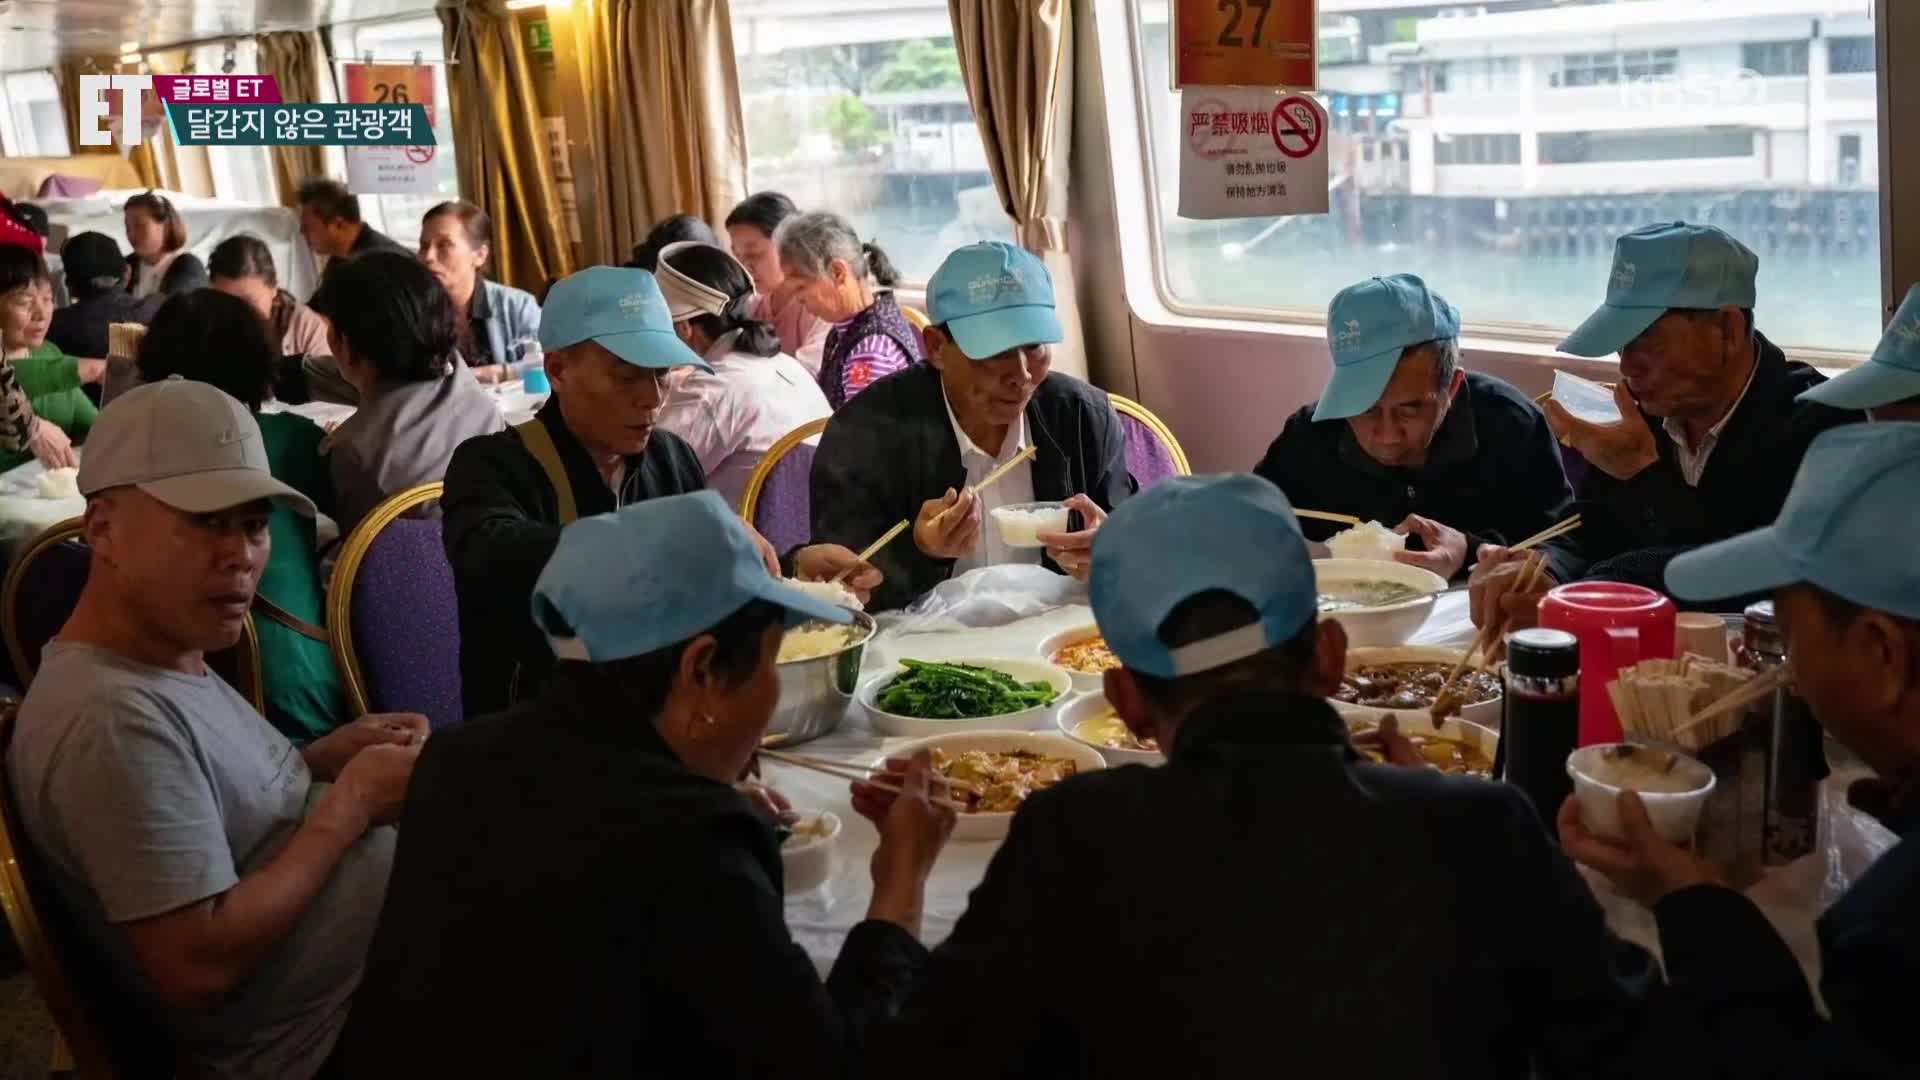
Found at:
<point>10,131</point>
<point>374,209</point>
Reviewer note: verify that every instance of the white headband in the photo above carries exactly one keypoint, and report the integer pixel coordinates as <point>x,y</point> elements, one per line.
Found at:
<point>685,296</point>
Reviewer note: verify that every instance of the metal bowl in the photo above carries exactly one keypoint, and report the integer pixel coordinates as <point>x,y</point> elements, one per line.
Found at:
<point>816,692</point>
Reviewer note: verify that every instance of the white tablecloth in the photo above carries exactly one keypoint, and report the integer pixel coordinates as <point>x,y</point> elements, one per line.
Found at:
<point>511,398</point>
<point>23,513</point>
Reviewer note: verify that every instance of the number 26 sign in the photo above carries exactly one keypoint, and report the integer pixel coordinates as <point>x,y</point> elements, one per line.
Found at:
<point>1245,43</point>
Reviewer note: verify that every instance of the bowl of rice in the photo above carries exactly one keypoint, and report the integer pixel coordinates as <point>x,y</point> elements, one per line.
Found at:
<point>819,666</point>
<point>806,850</point>
<point>1021,524</point>
<point>1369,541</point>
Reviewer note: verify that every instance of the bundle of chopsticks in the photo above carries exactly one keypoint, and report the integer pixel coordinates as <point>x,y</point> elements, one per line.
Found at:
<point>849,772</point>
<point>1446,701</point>
<point>123,341</point>
<point>1692,702</point>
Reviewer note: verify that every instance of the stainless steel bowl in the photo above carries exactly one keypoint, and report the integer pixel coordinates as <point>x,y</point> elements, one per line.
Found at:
<point>815,693</point>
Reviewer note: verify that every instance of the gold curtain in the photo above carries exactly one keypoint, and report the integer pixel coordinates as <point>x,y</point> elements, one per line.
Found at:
<point>298,62</point>
<point>501,146</point>
<point>67,78</point>
<point>664,132</point>
<point>1017,59</point>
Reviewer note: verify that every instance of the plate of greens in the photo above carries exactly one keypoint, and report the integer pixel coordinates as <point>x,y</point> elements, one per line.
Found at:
<point>930,697</point>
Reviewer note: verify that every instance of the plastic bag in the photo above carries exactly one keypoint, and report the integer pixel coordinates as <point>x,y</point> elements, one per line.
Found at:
<point>1849,840</point>
<point>1586,400</point>
<point>986,597</point>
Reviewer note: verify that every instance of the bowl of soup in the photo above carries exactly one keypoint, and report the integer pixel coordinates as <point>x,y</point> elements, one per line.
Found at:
<point>1090,720</point>
<point>1082,653</point>
<point>1378,603</point>
<point>1673,786</point>
<point>1405,679</point>
<point>1454,746</point>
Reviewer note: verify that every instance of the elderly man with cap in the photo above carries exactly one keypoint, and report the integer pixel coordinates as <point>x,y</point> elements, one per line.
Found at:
<point>913,444</point>
<point>1710,431</point>
<point>595,446</point>
<point>1847,596</point>
<point>1887,386</point>
<point>1402,435</point>
<point>1268,890</point>
<point>640,930</point>
<point>228,889</point>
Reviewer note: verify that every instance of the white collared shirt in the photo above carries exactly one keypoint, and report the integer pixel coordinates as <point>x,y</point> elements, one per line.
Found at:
<point>1015,487</point>
<point>1693,460</point>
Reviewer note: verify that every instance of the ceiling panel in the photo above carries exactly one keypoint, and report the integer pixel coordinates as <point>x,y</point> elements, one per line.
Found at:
<point>36,33</point>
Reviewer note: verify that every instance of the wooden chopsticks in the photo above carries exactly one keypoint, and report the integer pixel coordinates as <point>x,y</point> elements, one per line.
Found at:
<point>1551,532</point>
<point>1324,515</point>
<point>1490,633</point>
<point>848,772</point>
<point>1755,690</point>
<point>986,482</point>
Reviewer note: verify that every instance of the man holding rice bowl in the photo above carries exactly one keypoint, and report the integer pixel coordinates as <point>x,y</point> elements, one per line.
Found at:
<point>1200,894</point>
<point>1847,595</point>
<point>1402,435</point>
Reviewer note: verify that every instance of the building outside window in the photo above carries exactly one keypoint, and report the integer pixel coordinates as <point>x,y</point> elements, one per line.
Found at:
<point>399,41</point>
<point>1775,58</point>
<point>1850,55</point>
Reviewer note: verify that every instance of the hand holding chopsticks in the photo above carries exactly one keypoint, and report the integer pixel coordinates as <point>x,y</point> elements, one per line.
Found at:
<point>860,776</point>
<point>1446,701</point>
<point>933,532</point>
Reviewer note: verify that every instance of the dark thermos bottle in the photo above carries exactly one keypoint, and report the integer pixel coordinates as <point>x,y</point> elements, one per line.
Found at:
<point>1796,755</point>
<point>1540,724</point>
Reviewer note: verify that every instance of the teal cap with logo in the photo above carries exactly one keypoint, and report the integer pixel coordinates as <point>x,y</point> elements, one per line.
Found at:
<point>1187,535</point>
<point>1890,375</point>
<point>654,574</point>
<point>1843,528</point>
<point>993,297</point>
<point>1368,326</point>
<point>1661,268</point>
<point>621,310</point>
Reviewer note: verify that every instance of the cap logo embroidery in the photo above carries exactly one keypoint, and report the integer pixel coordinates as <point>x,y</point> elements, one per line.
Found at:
<point>991,288</point>
<point>231,436</point>
<point>1350,335</point>
<point>633,303</point>
<point>1623,275</point>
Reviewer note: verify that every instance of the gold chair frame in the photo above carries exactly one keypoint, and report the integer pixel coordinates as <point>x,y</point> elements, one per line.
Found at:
<point>750,498</point>
<point>346,569</point>
<point>1130,407</point>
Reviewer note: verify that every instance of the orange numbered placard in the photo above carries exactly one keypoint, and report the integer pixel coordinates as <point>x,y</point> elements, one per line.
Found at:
<point>1245,43</point>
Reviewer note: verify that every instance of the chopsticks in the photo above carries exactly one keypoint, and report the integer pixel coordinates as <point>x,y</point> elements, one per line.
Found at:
<point>1750,694</point>
<point>1551,532</point>
<point>1490,633</point>
<point>986,481</point>
<point>848,772</point>
<point>1323,515</point>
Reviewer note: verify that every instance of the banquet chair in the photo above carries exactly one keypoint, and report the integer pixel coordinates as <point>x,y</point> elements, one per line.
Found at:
<point>920,322</point>
<point>393,619</point>
<point>42,588</point>
<point>1153,454</point>
<point>777,500</point>
<point>100,1034</point>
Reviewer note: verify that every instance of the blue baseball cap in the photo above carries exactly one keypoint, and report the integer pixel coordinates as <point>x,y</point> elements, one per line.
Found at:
<point>1844,527</point>
<point>993,297</point>
<point>620,309</point>
<point>656,573</point>
<point>1891,374</point>
<point>1192,534</point>
<point>1660,268</point>
<point>1368,326</point>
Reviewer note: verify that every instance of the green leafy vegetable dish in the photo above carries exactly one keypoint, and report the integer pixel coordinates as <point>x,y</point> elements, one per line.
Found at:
<point>930,691</point>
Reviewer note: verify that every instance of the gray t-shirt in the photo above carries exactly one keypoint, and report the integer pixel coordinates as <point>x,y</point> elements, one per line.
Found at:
<point>146,790</point>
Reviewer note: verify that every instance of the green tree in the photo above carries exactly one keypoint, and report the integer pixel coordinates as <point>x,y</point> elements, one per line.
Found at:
<point>850,124</point>
<point>921,64</point>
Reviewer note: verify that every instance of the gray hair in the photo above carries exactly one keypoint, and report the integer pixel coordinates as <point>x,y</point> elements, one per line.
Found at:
<point>812,241</point>
<point>1446,360</point>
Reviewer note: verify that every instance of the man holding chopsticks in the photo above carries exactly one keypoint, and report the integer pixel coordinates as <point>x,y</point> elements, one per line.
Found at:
<point>1847,594</point>
<point>920,445</point>
<point>1404,436</point>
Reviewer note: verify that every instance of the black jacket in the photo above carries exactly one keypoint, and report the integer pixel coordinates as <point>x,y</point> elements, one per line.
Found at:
<point>80,328</point>
<point>892,448</point>
<point>1493,471</point>
<point>1269,904</point>
<point>1721,949</point>
<point>568,900</point>
<point>1631,529</point>
<point>501,523</point>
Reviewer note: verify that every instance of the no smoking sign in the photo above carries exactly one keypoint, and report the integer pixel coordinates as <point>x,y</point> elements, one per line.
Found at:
<point>1297,126</point>
<point>1251,153</point>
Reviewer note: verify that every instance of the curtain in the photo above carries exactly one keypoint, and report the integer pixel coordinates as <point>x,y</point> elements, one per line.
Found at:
<point>501,146</point>
<point>67,77</point>
<point>665,134</point>
<point>298,62</point>
<point>1017,59</point>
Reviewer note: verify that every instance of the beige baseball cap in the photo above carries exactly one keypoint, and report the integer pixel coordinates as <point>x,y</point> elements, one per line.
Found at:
<point>187,444</point>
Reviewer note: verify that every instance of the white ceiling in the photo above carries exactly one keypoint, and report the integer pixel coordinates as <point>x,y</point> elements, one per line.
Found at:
<point>37,33</point>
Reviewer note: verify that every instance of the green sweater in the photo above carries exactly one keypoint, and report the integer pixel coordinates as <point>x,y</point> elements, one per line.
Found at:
<point>51,381</point>
<point>305,697</point>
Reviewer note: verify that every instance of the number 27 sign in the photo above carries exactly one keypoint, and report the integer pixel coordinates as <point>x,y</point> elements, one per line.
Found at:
<point>1245,43</point>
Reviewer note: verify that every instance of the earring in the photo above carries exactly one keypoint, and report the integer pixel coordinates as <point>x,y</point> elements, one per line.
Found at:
<point>707,719</point>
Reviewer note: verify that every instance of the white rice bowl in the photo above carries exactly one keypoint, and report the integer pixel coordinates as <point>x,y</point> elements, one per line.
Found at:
<point>1369,541</point>
<point>1021,524</point>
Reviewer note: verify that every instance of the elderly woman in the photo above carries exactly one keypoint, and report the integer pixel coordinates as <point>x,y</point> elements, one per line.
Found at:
<point>750,229</point>
<point>632,921</point>
<point>755,393</point>
<point>496,322</point>
<point>392,334</point>
<point>160,261</point>
<point>242,266</point>
<point>215,338</point>
<point>45,399</point>
<point>849,284</point>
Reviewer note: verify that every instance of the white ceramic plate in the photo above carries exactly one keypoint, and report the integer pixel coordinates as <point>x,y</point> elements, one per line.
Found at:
<point>1026,720</point>
<point>994,826</point>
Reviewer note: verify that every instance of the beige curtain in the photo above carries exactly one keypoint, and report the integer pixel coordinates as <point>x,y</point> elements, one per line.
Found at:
<point>297,60</point>
<point>67,77</point>
<point>664,134</point>
<point>502,146</point>
<point>1017,58</point>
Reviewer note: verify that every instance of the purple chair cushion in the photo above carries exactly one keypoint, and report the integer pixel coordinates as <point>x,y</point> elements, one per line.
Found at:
<point>406,624</point>
<point>49,590</point>
<point>1148,459</point>
<point>783,514</point>
<point>1576,465</point>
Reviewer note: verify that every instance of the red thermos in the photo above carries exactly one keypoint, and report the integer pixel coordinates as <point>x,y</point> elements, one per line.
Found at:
<point>1618,626</point>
